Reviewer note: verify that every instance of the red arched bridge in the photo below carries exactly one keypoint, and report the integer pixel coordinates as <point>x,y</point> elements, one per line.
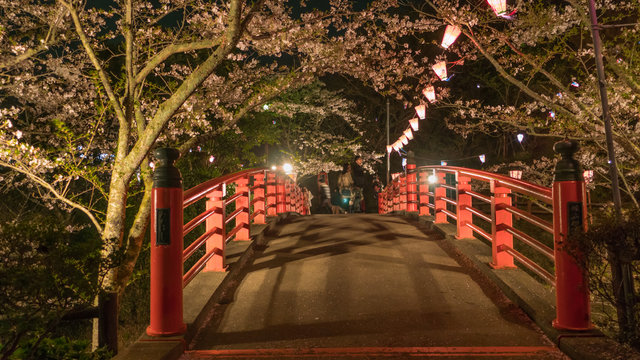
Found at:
<point>387,285</point>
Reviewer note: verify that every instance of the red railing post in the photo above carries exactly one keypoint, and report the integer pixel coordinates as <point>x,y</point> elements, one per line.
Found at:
<point>412,184</point>
<point>500,219</point>
<point>403,192</point>
<point>271,194</point>
<point>281,206</point>
<point>381,203</point>
<point>166,247</point>
<point>396,194</point>
<point>439,194</point>
<point>573,309</point>
<point>242,187</point>
<point>215,225</point>
<point>423,191</point>
<point>464,202</point>
<point>287,195</point>
<point>259,199</point>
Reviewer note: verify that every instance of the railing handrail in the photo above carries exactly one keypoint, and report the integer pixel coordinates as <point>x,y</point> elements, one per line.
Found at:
<point>539,192</point>
<point>199,191</point>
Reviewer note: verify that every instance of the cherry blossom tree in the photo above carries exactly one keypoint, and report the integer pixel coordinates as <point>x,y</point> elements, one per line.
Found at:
<point>87,91</point>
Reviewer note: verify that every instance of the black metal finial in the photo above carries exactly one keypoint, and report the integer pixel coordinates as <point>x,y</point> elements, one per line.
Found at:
<point>166,174</point>
<point>567,168</point>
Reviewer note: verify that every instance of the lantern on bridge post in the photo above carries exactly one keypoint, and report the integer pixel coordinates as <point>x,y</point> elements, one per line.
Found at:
<point>573,309</point>
<point>166,247</point>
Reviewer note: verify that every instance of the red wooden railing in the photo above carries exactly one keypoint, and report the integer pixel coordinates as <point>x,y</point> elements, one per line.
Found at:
<point>423,191</point>
<point>258,193</point>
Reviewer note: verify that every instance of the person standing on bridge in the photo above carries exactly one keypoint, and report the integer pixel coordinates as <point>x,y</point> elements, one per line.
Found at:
<point>357,173</point>
<point>345,183</point>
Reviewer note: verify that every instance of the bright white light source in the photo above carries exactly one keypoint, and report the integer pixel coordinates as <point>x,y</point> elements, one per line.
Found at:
<point>288,169</point>
<point>482,158</point>
<point>432,179</point>
<point>151,164</point>
<point>265,107</point>
<point>212,158</point>
<point>516,174</point>
<point>443,163</point>
<point>273,167</point>
<point>588,176</point>
<point>520,137</point>
<point>389,148</point>
<point>404,140</point>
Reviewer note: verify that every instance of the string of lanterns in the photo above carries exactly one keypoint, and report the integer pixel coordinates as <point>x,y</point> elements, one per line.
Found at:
<point>451,34</point>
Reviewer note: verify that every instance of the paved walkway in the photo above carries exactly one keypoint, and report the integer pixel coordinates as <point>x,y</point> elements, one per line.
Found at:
<point>365,286</point>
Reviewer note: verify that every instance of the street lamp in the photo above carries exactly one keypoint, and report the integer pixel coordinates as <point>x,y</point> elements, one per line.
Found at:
<point>288,169</point>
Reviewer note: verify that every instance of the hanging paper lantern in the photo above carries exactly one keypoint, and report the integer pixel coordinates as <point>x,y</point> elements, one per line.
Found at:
<point>499,6</point>
<point>482,158</point>
<point>408,134</point>
<point>400,144</point>
<point>451,33</point>
<point>212,158</point>
<point>414,124</point>
<point>430,93</point>
<point>421,110</point>
<point>520,137</point>
<point>440,69</point>
<point>389,148</point>
<point>404,139</point>
<point>516,174</point>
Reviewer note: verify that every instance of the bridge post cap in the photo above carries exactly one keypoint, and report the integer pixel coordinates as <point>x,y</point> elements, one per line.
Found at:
<point>567,168</point>
<point>165,174</point>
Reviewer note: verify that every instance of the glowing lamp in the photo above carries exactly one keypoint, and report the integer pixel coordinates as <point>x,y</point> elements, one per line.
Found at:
<point>451,33</point>
<point>443,163</point>
<point>404,139</point>
<point>588,176</point>
<point>432,179</point>
<point>288,169</point>
<point>212,158</point>
<point>482,158</point>
<point>430,93</point>
<point>499,6</point>
<point>421,110</point>
<point>440,69</point>
<point>273,167</point>
<point>408,134</point>
<point>520,137</point>
<point>389,148</point>
<point>516,174</point>
<point>414,124</point>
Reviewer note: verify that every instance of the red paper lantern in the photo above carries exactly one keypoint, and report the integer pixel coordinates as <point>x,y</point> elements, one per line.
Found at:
<point>414,124</point>
<point>408,134</point>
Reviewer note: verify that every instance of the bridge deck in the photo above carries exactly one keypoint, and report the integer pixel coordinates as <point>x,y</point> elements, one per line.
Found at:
<point>369,286</point>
